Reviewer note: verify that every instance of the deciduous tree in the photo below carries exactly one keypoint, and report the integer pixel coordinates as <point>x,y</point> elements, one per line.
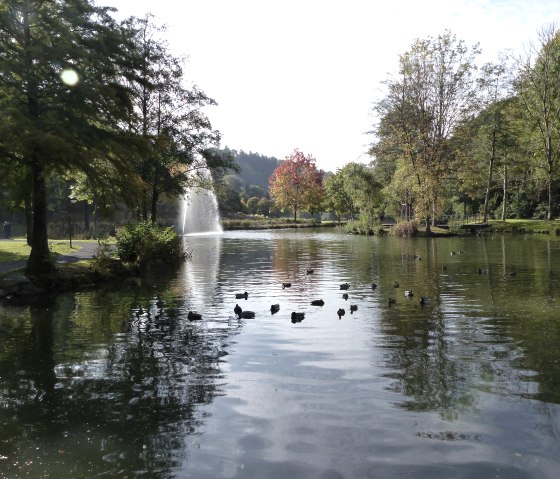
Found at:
<point>297,184</point>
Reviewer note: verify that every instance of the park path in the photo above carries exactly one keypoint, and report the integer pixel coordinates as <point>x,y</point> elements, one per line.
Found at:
<point>86,251</point>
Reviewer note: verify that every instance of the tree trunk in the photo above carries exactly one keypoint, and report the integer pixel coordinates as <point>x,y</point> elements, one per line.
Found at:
<point>504,200</point>
<point>39,260</point>
<point>155,196</point>
<point>550,214</point>
<point>28,203</point>
<point>295,214</point>
<point>490,172</point>
<point>86,220</point>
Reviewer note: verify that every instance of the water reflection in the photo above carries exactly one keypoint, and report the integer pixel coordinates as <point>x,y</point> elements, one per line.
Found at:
<point>118,383</point>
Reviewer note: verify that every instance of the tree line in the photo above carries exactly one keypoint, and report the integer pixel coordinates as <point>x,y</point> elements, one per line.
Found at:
<point>453,138</point>
<point>101,105</point>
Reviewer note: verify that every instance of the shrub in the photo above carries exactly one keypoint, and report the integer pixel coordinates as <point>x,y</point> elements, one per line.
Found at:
<point>405,229</point>
<point>146,242</point>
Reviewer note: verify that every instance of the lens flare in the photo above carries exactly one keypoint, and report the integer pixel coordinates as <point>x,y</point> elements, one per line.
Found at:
<point>69,77</point>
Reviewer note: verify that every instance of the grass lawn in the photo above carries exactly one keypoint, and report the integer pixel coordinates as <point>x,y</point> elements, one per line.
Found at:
<point>19,250</point>
<point>525,226</point>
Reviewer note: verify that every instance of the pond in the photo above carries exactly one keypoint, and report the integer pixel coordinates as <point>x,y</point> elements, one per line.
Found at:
<point>119,383</point>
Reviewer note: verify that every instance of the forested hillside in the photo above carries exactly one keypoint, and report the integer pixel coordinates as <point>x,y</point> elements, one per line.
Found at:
<point>256,169</point>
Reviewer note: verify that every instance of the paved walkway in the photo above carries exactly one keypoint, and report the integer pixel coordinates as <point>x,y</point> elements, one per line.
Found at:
<point>86,251</point>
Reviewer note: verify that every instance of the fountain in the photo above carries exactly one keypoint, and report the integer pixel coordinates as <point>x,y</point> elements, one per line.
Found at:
<point>199,208</point>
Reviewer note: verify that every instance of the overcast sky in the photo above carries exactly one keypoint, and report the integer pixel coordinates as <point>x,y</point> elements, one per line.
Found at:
<point>304,73</point>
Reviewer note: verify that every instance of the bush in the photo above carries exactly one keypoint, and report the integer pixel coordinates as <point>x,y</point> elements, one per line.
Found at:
<point>405,229</point>
<point>146,242</point>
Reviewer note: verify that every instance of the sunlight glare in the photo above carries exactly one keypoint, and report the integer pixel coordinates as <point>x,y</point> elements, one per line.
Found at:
<point>69,77</point>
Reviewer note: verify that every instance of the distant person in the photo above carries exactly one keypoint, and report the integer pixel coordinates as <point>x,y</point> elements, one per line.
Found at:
<point>7,229</point>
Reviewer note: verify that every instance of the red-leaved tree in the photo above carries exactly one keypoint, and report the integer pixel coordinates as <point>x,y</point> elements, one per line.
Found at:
<point>297,184</point>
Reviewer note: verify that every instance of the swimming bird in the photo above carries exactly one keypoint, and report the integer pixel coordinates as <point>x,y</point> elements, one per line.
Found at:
<point>192,316</point>
<point>396,284</point>
<point>353,307</point>
<point>344,286</point>
<point>340,312</point>
<point>297,317</point>
<point>482,271</point>
<point>241,295</point>
<point>317,302</point>
<point>409,294</point>
<point>237,310</point>
<point>345,296</point>
<point>286,285</point>
<point>247,314</point>
<point>424,300</point>
<point>274,308</point>
<point>391,301</point>
<point>310,271</point>
<point>373,285</point>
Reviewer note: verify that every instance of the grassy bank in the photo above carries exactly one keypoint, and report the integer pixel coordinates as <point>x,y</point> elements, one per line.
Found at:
<point>273,223</point>
<point>525,226</point>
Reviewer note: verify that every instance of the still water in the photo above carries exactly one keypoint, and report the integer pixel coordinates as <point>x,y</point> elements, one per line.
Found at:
<point>118,383</point>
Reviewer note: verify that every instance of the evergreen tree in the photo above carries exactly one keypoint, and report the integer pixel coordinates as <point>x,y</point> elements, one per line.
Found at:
<point>62,95</point>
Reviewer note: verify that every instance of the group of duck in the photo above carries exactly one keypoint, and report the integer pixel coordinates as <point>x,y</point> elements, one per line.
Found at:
<point>298,316</point>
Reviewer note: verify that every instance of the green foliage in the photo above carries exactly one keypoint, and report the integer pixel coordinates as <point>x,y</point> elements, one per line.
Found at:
<point>103,257</point>
<point>145,243</point>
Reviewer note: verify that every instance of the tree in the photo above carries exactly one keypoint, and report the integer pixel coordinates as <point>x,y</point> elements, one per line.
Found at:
<point>539,89</point>
<point>495,84</point>
<point>297,184</point>
<point>62,95</point>
<point>178,136</point>
<point>337,198</point>
<point>434,91</point>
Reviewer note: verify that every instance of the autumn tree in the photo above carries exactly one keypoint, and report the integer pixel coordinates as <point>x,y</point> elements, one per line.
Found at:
<point>297,184</point>
<point>434,90</point>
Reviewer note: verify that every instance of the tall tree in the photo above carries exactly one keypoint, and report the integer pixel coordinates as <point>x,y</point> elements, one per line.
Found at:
<point>434,90</point>
<point>495,84</point>
<point>171,121</point>
<point>297,184</point>
<point>63,99</point>
<point>539,89</point>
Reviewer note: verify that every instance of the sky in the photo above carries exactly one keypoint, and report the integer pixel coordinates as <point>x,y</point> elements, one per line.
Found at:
<point>304,74</point>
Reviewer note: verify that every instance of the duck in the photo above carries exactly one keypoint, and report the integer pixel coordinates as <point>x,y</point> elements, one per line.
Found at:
<point>237,310</point>
<point>373,285</point>
<point>391,301</point>
<point>482,271</point>
<point>297,317</point>
<point>247,314</point>
<point>396,284</point>
<point>241,295</point>
<point>341,312</point>
<point>345,296</point>
<point>409,294</point>
<point>274,308</point>
<point>286,285</point>
<point>192,316</point>
<point>344,286</point>
<point>424,300</point>
<point>353,307</point>
<point>317,302</point>
<point>310,271</point>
